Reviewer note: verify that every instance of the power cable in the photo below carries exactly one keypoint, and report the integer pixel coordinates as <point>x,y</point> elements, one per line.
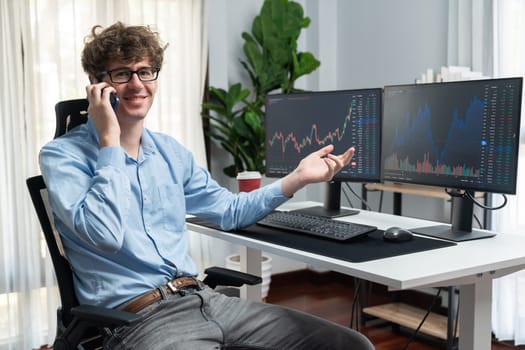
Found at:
<point>361,199</point>
<point>423,320</point>
<point>353,313</point>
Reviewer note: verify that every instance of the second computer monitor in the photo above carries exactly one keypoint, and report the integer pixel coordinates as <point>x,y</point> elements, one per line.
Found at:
<point>461,135</point>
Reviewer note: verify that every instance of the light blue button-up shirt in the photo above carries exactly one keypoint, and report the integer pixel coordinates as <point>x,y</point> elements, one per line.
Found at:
<point>122,220</point>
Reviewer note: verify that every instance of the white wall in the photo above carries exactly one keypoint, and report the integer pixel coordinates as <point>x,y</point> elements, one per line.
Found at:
<point>361,44</point>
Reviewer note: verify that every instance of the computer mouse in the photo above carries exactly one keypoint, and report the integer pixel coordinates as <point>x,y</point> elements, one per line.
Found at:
<point>397,234</point>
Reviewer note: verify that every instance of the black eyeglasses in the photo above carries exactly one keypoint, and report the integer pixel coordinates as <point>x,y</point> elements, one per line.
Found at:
<point>123,75</point>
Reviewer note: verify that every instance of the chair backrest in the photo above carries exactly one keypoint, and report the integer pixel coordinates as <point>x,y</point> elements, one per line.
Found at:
<point>69,114</point>
<point>38,193</point>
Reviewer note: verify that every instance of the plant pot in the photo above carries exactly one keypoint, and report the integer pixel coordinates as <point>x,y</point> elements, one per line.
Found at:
<point>233,262</point>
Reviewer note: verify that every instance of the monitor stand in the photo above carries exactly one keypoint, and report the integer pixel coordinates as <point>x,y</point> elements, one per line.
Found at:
<point>332,204</point>
<point>461,222</point>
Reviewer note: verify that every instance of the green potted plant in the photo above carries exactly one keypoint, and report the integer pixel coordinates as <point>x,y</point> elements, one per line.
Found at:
<point>236,115</point>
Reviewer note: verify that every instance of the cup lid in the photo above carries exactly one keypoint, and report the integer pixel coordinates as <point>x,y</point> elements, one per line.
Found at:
<point>248,175</point>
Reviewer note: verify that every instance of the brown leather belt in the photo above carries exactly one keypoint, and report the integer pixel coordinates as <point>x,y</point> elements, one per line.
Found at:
<point>172,287</point>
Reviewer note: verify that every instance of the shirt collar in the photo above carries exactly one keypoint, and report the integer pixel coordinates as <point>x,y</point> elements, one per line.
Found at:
<point>146,143</point>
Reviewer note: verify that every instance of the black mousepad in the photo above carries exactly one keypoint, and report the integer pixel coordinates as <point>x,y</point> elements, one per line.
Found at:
<point>370,247</point>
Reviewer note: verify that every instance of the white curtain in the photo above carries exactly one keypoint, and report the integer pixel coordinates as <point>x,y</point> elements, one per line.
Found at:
<point>24,315</point>
<point>509,60</point>
<point>40,45</point>
<point>470,35</point>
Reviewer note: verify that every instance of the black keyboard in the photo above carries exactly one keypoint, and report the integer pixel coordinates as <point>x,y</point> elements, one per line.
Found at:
<point>315,225</point>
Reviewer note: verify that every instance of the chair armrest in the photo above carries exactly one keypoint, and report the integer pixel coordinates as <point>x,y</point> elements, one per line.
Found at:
<point>220,276</point>
<point>105,317</point>
<point>90,323</point>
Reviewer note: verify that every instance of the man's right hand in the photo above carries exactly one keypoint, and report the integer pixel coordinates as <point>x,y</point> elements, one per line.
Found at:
<point>102,114</point>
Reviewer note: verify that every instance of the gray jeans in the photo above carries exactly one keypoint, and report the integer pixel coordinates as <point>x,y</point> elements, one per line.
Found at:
<point>209,320</point>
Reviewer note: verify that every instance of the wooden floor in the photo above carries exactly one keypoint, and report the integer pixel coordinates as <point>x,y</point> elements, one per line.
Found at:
<point>329,295</point>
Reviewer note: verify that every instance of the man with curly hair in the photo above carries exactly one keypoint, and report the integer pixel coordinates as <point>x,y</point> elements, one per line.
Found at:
<point>120,194</point>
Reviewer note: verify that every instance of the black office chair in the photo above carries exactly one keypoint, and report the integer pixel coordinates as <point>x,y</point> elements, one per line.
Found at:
<point>84,326</point>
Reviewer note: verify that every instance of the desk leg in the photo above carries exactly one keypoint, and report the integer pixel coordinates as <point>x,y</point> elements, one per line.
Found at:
<point>251,263</point>
<point>475,315</point>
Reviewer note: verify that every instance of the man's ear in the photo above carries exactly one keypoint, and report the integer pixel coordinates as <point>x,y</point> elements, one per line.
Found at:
<point>93,80</point>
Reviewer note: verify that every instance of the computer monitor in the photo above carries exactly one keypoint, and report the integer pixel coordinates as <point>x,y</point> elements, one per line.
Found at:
<point>462,136</point>
<point>301,123</point>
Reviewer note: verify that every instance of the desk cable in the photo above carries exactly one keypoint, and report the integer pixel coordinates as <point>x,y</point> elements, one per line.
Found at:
<point>409,340</point>
<point>347,197</point>
<point>468,194</point>
<point>354,314</point>
<point>361,199</point>
<point>485,207</point>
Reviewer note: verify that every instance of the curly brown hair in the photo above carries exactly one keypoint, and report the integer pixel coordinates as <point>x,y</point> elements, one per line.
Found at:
<point>127,44</point>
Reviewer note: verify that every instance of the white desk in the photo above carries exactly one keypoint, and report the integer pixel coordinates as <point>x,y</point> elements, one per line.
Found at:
<point>471,265</point>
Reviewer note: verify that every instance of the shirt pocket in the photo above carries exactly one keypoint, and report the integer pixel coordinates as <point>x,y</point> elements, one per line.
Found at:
<point>172,207</point>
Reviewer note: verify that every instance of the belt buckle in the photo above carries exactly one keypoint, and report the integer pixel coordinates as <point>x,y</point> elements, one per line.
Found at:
<point>200,284</point>
<point>172,287</point>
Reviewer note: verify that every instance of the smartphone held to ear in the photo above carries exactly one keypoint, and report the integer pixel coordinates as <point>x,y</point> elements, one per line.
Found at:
<point>114,100</point>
